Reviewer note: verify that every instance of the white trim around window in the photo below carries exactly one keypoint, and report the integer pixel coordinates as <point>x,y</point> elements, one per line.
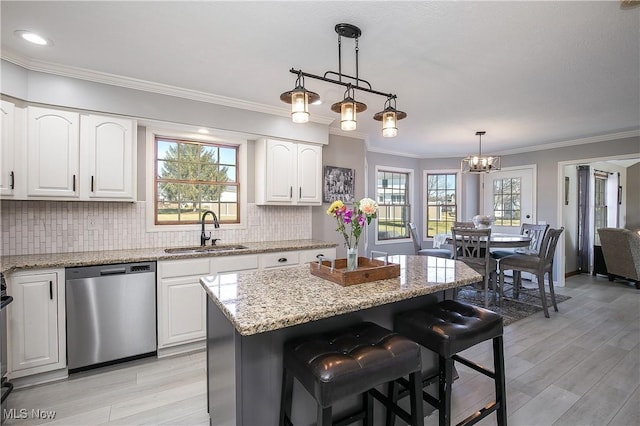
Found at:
<point>189,133</point>
<point>411,182</point>
<point>424,192</point>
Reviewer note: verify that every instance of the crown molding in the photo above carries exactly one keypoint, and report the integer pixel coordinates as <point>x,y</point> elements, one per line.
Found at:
<point>149,86</point>
<point>399,154</point>
<point>350,134</point>
<point>573,142</point>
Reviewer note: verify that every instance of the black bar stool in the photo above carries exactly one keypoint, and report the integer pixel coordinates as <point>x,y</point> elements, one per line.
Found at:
<point>448,328</point>
<point>347,362</point>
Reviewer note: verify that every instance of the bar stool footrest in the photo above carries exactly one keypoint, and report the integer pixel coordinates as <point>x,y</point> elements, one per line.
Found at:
<point>480,414</point>
<point>389,404</point>
<point>474,366</point>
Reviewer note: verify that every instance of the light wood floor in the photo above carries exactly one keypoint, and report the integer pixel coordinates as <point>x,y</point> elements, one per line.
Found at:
<point>580,367</point>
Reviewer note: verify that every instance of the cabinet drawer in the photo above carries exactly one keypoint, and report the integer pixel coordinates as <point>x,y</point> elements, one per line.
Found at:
<point>184,268</point>
<point>307,256</point>
<point>235,263</point>
<point>279,259</point>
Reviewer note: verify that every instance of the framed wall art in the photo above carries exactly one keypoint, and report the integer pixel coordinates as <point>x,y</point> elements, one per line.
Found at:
<point>338,184</point>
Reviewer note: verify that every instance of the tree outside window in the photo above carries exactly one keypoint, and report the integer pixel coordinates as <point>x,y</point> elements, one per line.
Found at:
<point>442,204</point>
<point>192,177</point>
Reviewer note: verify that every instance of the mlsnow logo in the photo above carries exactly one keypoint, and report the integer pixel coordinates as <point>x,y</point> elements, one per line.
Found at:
<point>23,414</point>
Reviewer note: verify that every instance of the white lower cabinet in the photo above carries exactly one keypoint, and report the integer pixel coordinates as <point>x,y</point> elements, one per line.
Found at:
<point>181,301</point>
<point>36,322</point>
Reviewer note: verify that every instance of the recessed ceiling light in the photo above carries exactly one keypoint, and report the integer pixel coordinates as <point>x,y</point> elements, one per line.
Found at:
<point>32,37</point>
<point>203,131</point>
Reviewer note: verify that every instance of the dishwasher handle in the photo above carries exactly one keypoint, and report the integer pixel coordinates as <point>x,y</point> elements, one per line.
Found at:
<point>113,271</point>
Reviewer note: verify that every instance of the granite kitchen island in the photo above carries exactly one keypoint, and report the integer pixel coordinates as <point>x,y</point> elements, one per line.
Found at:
<point>251,314</point>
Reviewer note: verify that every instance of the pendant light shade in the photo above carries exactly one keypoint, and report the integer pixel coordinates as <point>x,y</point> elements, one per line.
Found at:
<point>348,110</point>
<point>478,163</point>
<point>299,98</point>
<point>389,117</point>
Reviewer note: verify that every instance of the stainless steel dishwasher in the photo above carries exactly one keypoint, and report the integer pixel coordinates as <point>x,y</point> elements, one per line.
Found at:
<point>111,313</point>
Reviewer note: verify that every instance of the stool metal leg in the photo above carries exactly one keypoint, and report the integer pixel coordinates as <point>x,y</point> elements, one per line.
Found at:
<point>393,396</point>
<point>415,385</point>
<point>286,397</point>
<point>501,394</point>
<point>445,381</point>
<point>324,416</point>
<point>367,406</point>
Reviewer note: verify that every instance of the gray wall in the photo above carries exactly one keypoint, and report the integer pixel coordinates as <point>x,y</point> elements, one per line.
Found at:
<point>341,152</point>
<point>633,197</point>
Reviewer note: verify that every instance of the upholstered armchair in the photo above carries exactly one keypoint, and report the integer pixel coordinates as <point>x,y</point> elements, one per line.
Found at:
<point>621,251</point>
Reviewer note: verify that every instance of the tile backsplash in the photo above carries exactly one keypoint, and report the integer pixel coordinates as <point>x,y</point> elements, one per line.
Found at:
<point>36,227</point>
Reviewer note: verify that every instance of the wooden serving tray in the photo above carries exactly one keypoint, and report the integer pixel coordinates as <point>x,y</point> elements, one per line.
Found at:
<point>368,270</point>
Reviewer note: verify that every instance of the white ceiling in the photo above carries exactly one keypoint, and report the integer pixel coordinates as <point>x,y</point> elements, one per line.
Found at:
<point>528,73</point>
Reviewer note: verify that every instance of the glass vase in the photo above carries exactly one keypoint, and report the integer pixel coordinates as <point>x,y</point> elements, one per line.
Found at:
<point>352,259</point>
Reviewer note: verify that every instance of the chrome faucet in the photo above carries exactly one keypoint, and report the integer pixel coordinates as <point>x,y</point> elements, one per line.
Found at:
<point>203,235</point>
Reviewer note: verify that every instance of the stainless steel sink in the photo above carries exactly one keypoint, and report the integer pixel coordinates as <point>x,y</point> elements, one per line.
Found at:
<point>205,249</point>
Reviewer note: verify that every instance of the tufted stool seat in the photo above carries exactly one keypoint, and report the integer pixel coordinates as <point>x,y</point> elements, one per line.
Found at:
<point>351,361</point>
<point>448,328</point>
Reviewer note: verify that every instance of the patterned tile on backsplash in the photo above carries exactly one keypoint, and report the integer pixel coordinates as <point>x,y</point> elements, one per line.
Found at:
<point>35,227</point>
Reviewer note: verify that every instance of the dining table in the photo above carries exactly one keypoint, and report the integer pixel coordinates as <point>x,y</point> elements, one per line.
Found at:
<point>497,240</point>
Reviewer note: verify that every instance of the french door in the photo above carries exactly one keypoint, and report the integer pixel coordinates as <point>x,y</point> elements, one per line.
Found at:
<point>510,196</point>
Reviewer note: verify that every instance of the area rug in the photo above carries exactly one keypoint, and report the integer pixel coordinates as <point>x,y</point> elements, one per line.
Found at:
<point>511,310</point>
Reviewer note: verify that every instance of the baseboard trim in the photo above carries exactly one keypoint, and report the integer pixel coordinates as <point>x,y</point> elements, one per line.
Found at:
<point>571,274</point>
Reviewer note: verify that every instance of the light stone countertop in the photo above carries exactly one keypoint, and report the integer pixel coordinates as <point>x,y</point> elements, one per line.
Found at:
<point>267,300</point>
<point>88,258</point>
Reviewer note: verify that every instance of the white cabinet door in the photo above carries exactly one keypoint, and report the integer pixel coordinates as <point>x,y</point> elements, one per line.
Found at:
<point>281,171</point>
<point>181,301</point>
<point>36,323</point>
<point>309,174</point>
<point>7,158</point>
<point>53,152</point>
<point>109,147</point>
<point>288,173</point>
<point>182,311</point>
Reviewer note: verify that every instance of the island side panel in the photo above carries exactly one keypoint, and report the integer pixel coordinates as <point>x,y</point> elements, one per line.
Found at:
<point>222,392</point>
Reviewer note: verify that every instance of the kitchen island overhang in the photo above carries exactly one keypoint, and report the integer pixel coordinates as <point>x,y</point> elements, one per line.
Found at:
<point>251,314</point>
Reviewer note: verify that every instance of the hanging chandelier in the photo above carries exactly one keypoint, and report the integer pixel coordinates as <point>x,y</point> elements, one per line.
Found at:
<point>349,107</point>
<point>479,163</point>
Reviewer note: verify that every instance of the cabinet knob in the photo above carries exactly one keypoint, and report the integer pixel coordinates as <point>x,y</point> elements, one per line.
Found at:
<point>282,260</point>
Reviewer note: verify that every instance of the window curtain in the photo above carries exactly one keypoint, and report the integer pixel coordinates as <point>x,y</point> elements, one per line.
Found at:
<point>583,219</point>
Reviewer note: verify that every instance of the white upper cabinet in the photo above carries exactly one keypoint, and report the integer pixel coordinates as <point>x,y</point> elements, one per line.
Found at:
<point>108,143</point>
<point>72,156</point>
<point>309,174</point>
<point>53,152</point>
<point>7,150</point>
<point>288,173</point>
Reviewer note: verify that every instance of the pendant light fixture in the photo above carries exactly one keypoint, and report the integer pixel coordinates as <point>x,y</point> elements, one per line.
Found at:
<point>479,163</point>
<point>348,108</point>
<point>389,117</point>
<point>299,98</point>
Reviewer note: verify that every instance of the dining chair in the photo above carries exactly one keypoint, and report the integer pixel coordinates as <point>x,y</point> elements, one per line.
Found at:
<point>472,247</point>
<point>436,252</point>
<point>535,231</point>
<point>538,265</point>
